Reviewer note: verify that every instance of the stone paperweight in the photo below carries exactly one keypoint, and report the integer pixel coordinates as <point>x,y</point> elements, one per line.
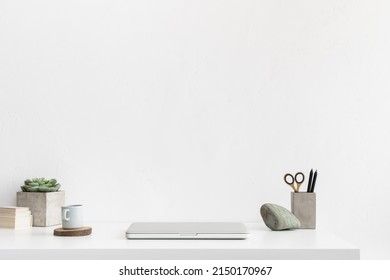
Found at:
<point>277,217</point>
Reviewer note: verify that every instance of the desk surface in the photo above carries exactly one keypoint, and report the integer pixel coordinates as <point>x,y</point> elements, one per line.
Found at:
<point>108,241</point>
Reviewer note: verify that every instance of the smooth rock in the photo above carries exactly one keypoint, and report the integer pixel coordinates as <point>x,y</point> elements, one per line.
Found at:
<point>278,218</point>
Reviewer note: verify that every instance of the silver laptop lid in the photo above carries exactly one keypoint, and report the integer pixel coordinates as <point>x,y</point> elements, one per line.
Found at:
<point>186,231</point>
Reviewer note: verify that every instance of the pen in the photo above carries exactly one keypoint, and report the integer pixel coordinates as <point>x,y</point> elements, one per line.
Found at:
<point>310,178</point>
<point>314,182</point>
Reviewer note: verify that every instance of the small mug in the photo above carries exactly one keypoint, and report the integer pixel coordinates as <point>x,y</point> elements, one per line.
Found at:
<point>72,216</point>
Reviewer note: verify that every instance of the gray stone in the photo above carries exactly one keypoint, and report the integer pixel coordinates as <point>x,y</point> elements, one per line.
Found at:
<point>45,206</point>
<point>278,218</point>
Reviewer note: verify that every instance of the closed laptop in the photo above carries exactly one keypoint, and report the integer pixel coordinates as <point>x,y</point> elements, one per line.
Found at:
<point>176,230</point>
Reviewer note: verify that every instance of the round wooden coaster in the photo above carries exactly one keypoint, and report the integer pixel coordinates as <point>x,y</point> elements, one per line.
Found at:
<point>73,232</point>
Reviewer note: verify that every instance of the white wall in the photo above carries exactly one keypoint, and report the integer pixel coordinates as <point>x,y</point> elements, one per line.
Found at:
<point>194,110</point>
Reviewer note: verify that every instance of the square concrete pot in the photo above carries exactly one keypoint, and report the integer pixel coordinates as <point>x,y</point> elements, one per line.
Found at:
<point>45,206</point>
<point>303,206</point>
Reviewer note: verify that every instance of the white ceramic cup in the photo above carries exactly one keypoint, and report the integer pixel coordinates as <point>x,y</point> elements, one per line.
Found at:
<point>72,216</point>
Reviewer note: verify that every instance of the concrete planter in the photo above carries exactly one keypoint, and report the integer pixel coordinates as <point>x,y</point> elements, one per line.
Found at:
<point>303,206</point>
<point>45,206</point>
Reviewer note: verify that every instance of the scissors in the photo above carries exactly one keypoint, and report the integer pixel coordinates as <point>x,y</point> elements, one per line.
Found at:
<point>290,180</point>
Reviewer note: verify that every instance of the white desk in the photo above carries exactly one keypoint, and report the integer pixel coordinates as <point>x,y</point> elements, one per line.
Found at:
<point>108,242</point>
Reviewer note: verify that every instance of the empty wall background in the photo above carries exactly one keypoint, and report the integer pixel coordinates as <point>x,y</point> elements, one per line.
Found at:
<point>194,110</point>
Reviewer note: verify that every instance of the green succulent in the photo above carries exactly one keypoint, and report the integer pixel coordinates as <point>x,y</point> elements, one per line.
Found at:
<point>40,185</point>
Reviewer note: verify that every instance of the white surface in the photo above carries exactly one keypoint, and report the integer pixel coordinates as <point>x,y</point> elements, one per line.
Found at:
<point>108,241</point>
<point>182,110</point>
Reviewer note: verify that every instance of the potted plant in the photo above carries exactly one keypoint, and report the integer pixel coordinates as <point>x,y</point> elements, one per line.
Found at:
<point>44,199</point>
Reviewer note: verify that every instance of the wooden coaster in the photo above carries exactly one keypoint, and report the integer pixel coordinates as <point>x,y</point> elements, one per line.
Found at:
<point>73,232</point>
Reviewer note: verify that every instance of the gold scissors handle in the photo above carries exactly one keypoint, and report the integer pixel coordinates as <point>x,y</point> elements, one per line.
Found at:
<point>290,179</point>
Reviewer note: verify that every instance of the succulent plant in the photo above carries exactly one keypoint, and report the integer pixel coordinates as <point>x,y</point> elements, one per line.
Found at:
<point>40,185</point>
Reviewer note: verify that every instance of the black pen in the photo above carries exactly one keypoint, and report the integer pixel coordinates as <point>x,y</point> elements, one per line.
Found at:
<point>314,182</point>
<point>310,178</point>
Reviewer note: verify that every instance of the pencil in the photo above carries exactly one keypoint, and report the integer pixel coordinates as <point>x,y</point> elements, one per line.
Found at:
<point>314,182</point>
<point>309,183</point>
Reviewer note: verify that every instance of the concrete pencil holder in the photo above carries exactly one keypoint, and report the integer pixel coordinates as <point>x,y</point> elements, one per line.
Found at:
<point>303,206</point>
